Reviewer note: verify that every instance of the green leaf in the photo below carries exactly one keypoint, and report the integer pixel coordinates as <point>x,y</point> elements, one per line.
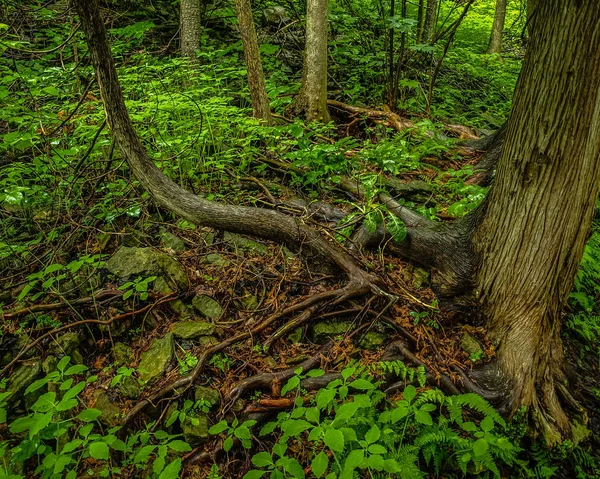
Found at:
<point>346,411</point>
<point>319,464</point>
<point>99,450</point>
<point>242,432</point>
<point>228,444</point>
<point>409,393</point>
<point>334,439</point>
<point>469,426</point>
<point>62,364</point>
<point>487,424</point>
<point>324,397</point>
<point>313,414</point>
<point>262,459</point>
<point>373,434</point>
<point>376,462</point>
<point>89,415</point>
<point>179,446</point>
<point>143,454</point>
<point>45,402</point>
<point>293,468</point>
<point>118,445</point>
<point>480,447</point>
<point>172,470</point>
<point>292,384</point>
<point>21,424</point>
<point>254,474</point>
<point>67,404</point>
<point>398,413</point>
<point>355,459</point>
<point>294,428</point>
<point>35,385</point>
<point>76,369</point>
<point>377,449</point>
<point>71,446</point>
<point>362,384</point>
<point>268,428</point>
<point>423,417</point>
<point>219,427</point>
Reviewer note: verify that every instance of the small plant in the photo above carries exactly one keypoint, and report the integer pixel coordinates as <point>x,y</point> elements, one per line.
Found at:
<point>221,361</point>
<point>139,285</point>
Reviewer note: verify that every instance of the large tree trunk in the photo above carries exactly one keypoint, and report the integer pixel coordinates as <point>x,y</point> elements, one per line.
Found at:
<point>256,77</point>
<point>534,224</point>
<point>312,99</point>
<point>430,21</point>
<point>189,24</point>
<point>495,45</point>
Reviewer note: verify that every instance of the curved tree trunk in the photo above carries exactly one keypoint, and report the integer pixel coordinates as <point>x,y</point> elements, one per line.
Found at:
<point>189,24</point>
<point>495,45</point>
<point>430,21</point>
<point>312,99</point>
<point>256,77</point>
<point>266,224</point>
<point>536,219</point>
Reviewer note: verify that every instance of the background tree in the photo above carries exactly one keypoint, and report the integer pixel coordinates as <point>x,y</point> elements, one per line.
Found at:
<point>256,77</point>
<point>430,22</point>
<point>495,45</point>
<point>190,27</point>
<point>312,99</point>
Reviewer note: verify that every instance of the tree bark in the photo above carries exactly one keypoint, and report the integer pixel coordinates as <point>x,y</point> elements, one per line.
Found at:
<point>312,99</point>
<point>189,24</point>
<point>420,19</point>
<point>256,77</point>
<point>534,224</point>
<point>495,45</point>
<point>430,21</point>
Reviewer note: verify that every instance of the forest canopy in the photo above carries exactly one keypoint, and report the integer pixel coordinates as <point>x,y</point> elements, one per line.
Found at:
<point>311,238</point>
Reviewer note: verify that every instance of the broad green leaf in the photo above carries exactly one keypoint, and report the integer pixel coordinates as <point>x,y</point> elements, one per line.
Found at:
<point>179,446</point>
<point>254,474</point>
<point>480,447</point>
<point>334,439</point>
<point>362,384</point>
<point>262,459</point>
<point>319,464</point>
<point>219,427</point>
<point>99,450</point>
<point>89,415</point>
<point>409,393</point>
<point>373,434</point>
<point>423,417</point>
<point>346,411</point>
<point>172,470</point>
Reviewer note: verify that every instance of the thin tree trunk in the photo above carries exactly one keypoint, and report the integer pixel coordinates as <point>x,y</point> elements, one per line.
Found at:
<point>313,95</point>
<point>189,24</point>
<point>430,21</point>
<point>420,19</point>
<point>495,45</point>
<point>536,219</point>
<point>256,77</point>
<point>391,81</point>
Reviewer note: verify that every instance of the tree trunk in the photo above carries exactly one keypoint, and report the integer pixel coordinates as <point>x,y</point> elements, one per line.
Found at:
<point>312,99</point>
<point>420,19</point>
<point>495,45</point>
<point>535,222</point>
<point>189,24</point>
<point>430,21</point>
<point>256,77</point>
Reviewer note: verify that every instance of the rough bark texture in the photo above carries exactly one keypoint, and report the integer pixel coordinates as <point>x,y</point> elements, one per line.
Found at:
<point>191,30</point>
<point>266,224</point>
<point>312,99</point>
<point>256,77</point>
<point>430,21</point>
<point>495,45</point>
<point>536,219</point>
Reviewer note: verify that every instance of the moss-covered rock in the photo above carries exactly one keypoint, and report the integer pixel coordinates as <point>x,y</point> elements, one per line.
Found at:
<point>372,341</point>
<point>207,306</point>
<point>192,329</point>
<point>208,395</point>
<point>110,412</point>
<point>195,428</point>
<point>154,362</point>
<point>323,331</point>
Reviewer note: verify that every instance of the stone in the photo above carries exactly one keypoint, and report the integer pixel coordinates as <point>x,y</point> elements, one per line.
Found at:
<point>372,341</point>
<point>129,387</point>
<point>123,354</point>
<point>49,364</point>
<point>208,395</point>
<point>296,335</point>
<point>110,412</point>
<point>207,306</point>
<point>192,329</point>
<point>249,301</point>
<point>420,278</point>
<point>162,286</point>
<point>240,242</point>
<point>323,331</point>
<point>471,345</point>
<point>132,262</point>
<point>154,362</point>
<point>195,428</point>
<point>216,259</point>
<point>170,241</point>
<point>65,343</point>
<point>23,376</point>
<point>297,359</point>
<point>275,16</point>
<point>207,340</point>
<point>103,239</point>
<point>417,190</point>
<point>271,362</point>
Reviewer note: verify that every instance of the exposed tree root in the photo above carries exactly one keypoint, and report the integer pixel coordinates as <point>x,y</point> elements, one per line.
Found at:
<point>162,300</point>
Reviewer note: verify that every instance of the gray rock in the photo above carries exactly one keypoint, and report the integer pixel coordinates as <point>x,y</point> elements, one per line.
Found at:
<point>324,331</point>
<point>242,243</point>
<point>130,262</point>
<point>471,345</point>
<point>216,259</point>
<point>206,340</point>
<point>65,343</point>
<point>207,306</point>
<point>123,354</point>
<point>162,286</point>
<point>372,341</point>
<point>129,387</point>
<point>192,329</point>
<point>275,16</point>
<point>170,241</point>
<point>23,376</point>
<point>209,395</point>
<point>110,412</point>
<point>154,362</point>
<point>195,428</point>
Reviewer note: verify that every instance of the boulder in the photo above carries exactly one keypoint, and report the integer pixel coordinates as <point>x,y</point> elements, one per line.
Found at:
<point>23,376</point>
<point>133,262</point>
<point>208,395</point>
<point>239,242</point>
<point>195,428</point>
<point>170,241</point>
<point>471,345</point>
<point>123,354</point>
<point>110,412</point>
<point>207,306</point>
<point>154,362</point>
<point>323,331</point>
<point>65,344</point>
<point>372,341</point>
<point>129,387</point>
<point>192,329</point>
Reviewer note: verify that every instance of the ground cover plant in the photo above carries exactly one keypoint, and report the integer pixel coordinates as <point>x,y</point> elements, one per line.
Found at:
<point>191,291</point>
